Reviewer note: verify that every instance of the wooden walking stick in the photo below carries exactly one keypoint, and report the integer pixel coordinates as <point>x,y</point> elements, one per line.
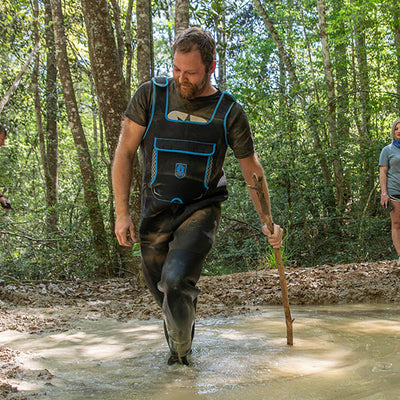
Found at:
<point>261,187</point>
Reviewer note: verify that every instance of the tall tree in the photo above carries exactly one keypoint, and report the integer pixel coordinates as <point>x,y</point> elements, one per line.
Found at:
<point>145,54</point>
<point>220,25</point>
<point>48,142</point>
<point>341,67</point>
<point>118,30</point>
<point>340,61</point>
<point>36,90</point>
<point>48,138</point>
<point>90,191</point>
<point>363,89</point>
<point>106,67</point>
<point>51,123</point>
<point>106,63</point>
<point>129,47</point>
<point>396,31</point>
<point>335,150</point>
<point>182,8</point>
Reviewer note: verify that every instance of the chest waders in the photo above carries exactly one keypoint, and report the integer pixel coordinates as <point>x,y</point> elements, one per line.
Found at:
<point>183,186</point>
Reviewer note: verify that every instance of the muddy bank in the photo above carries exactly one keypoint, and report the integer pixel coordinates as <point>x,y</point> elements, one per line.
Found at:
<point>56,306</point>
<point>229,294</point>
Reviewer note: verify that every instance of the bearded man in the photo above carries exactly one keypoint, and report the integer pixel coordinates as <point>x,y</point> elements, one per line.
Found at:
<point>183,126</point>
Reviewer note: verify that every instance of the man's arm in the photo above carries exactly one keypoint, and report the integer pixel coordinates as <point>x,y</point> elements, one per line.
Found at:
<point>250,166</point>
<point>129,141</point>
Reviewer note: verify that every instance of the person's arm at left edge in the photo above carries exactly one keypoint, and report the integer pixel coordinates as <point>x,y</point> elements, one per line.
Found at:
<point>4,202</point>
<point>250,166</point>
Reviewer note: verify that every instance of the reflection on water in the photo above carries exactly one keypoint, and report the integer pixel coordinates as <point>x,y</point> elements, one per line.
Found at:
<point>339,352</point>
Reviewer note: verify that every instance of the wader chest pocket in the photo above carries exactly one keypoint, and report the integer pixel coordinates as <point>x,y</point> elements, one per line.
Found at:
<point>180,169</point>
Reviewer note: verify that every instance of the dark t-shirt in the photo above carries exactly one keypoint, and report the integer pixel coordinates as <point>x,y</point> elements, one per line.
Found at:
<point>199,109</point>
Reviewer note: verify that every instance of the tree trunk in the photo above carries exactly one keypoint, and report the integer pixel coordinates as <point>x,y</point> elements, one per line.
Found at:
<point>113,98</point>
<point>316,139</point>
<point>145,62</point>
<point>51,125</point>
<point>36,95</point>
<point>106,68</point>
<point>182,8</point>
<point>367,157</point>
<point>221,50</point>
<point>341,63</point>
<point>48,143</point>
<point>335,150</point>
<point>89,186</point>
<point>129,48</point>
<point>396,30</point>
<point>118,30</point>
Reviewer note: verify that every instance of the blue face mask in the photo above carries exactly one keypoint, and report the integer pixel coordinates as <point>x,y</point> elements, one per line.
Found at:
<point>396,143</point>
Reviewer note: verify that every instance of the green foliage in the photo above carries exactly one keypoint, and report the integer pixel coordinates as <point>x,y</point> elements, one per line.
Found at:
<point>271,261</point>
<point>136,249</point>
<point>281,116</point>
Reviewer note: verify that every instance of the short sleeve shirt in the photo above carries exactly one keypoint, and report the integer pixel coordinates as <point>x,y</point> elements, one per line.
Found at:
<point>200,109</point>
<point>390,158</point>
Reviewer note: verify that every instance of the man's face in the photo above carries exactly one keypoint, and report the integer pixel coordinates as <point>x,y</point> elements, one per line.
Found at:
<point>2,139</point>
<point>190,74</point>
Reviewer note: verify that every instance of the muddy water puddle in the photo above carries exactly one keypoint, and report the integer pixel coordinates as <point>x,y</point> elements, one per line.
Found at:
<point>339,352</point>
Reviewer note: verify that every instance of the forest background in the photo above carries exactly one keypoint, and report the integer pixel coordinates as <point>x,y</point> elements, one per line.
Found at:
<point>319,80</point>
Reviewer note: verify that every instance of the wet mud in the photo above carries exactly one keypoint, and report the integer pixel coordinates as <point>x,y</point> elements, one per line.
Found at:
<point>43,307</point>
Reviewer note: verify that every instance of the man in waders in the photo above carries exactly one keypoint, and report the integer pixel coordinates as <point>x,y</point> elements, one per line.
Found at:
<point>183,126</point>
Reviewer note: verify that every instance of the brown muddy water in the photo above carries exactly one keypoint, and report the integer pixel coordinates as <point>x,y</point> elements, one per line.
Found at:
<point>349,352</point>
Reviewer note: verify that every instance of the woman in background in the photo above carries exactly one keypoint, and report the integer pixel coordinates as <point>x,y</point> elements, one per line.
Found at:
<point>389,178</point>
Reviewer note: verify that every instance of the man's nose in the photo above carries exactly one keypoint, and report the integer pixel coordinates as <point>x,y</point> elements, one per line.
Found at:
<point>182,77</point>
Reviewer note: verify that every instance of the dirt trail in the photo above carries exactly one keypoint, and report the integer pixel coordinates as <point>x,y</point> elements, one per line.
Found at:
<point>56,306</point>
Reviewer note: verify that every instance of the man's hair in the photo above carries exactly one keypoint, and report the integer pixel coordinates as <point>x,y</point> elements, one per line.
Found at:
<point>196,38</point>
<point>3,130</point>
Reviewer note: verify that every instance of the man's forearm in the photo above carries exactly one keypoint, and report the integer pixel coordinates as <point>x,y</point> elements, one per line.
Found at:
<point>256,168</point>
<point>121,177</point>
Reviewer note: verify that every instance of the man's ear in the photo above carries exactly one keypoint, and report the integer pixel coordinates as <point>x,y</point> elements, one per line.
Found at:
<point>212,68</point>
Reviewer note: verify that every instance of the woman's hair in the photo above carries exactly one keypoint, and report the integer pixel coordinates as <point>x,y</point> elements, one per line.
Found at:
<point>196,38</point>
<point>394,126</point>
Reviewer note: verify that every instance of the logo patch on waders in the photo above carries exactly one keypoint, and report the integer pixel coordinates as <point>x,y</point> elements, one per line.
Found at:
<point>180,170</point>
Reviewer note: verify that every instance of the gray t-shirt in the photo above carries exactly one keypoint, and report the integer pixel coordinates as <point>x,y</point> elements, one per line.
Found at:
<point>390,157</point>
<point>239,135</point>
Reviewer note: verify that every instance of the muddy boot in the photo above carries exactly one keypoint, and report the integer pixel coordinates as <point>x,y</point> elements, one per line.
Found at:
<point>178,360</point>
<point>179,351</point>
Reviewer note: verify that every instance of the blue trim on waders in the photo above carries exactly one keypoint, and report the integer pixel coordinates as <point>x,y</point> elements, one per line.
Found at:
<point>225,121</point>
<point>175,200</point>
<point>195,153</point>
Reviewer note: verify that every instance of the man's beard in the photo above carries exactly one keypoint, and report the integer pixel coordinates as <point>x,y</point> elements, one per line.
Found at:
<point>193,90</point>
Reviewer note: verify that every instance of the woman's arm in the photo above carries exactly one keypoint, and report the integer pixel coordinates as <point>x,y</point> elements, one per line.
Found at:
<point>383,183</point>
